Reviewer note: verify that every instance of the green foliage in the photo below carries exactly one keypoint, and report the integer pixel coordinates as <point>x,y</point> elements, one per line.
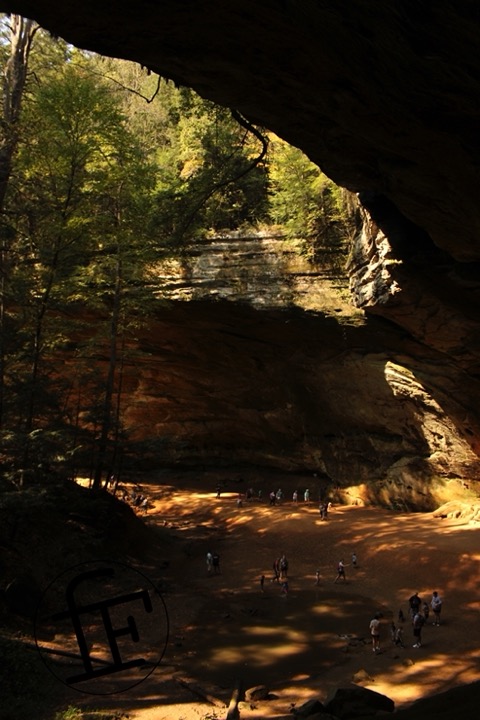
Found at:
<point>75,713</point>
<point>116,169</point>
<point>308,205</point>
<point>203,178</point>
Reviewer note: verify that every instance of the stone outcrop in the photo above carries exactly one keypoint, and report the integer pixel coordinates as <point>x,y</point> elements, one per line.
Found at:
<point>232,386</point>
<point>357,702</point>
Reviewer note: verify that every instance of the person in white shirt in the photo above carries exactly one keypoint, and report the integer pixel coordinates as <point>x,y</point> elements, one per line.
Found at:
<point>375,632</point>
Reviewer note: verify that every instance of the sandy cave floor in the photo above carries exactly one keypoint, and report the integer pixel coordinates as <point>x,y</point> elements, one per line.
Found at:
<point>303,646</point>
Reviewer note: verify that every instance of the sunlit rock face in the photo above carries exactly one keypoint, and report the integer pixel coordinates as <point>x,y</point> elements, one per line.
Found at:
<point>384,97</point>
<point>246,380</point>
<point>263,269</point>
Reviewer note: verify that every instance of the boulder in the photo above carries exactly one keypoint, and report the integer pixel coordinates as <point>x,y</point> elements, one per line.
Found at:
<point>259,692</point>
<point>358,702</point>
<point>309,709</point>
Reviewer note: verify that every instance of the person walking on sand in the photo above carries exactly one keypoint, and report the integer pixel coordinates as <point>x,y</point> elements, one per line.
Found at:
<point>393,630</point>
<point>354,559</point>
<point>317,577</point>
<point>209,563</point>
<point>341,571</point>
<point>436,605</point>
<point>375,632</point>
<point>276,570</point>
<point>418,622</point>
<point>398,640</point>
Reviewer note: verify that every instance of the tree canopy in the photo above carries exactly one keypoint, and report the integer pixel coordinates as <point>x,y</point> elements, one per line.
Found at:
<point>106,169</point>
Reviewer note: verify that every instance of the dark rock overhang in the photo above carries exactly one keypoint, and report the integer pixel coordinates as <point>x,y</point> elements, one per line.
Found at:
<point>383,96</point>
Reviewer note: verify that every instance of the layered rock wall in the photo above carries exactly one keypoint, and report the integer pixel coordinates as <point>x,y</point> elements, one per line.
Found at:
<point>246,379</point>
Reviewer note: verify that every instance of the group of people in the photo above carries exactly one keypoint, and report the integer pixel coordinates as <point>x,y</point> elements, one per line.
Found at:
<point>276,497</point>
<point>419,614</point>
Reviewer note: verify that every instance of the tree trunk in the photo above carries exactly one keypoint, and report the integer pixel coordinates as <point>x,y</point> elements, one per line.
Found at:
<point>109,389</point>
<point>22,32</point>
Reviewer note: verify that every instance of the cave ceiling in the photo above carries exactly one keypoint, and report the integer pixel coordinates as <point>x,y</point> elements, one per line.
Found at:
<point>383,96</point>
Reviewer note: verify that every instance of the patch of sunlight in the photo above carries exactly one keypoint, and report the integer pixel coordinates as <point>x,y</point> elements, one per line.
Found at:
<point>205,495</point>
<point>407,692</point>
<point>328,639</point>
<point>328,610</point>
<point>260,630</point>
<point>287,634</point>
<point>239,520</point>
<point>259,655</point>
<point>83,481</point>
<point>474,605</point>
<point>409,683</point>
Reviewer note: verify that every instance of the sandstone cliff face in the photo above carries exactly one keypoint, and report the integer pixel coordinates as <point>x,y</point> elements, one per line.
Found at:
<point>329,391</point>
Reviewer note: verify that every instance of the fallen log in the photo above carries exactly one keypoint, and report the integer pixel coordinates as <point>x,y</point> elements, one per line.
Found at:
<point>237,695</point>
<point>201,692</point>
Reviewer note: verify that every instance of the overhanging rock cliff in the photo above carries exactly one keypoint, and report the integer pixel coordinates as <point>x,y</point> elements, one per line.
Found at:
<point>385,98</point>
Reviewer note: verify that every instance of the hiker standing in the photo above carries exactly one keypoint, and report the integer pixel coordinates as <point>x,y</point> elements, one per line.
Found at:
<point>414,603</point>
<point>375,632</point>
<point>276,570</point>
<point>436,605</point>
<point>418,622</point>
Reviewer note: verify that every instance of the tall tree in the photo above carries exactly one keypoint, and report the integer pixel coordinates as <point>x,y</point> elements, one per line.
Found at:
<point>308,205</point>
<point>71,174</point>
<point>15,52</point>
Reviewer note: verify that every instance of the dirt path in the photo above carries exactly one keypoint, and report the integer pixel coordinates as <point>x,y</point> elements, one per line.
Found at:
<point>223,627</point>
